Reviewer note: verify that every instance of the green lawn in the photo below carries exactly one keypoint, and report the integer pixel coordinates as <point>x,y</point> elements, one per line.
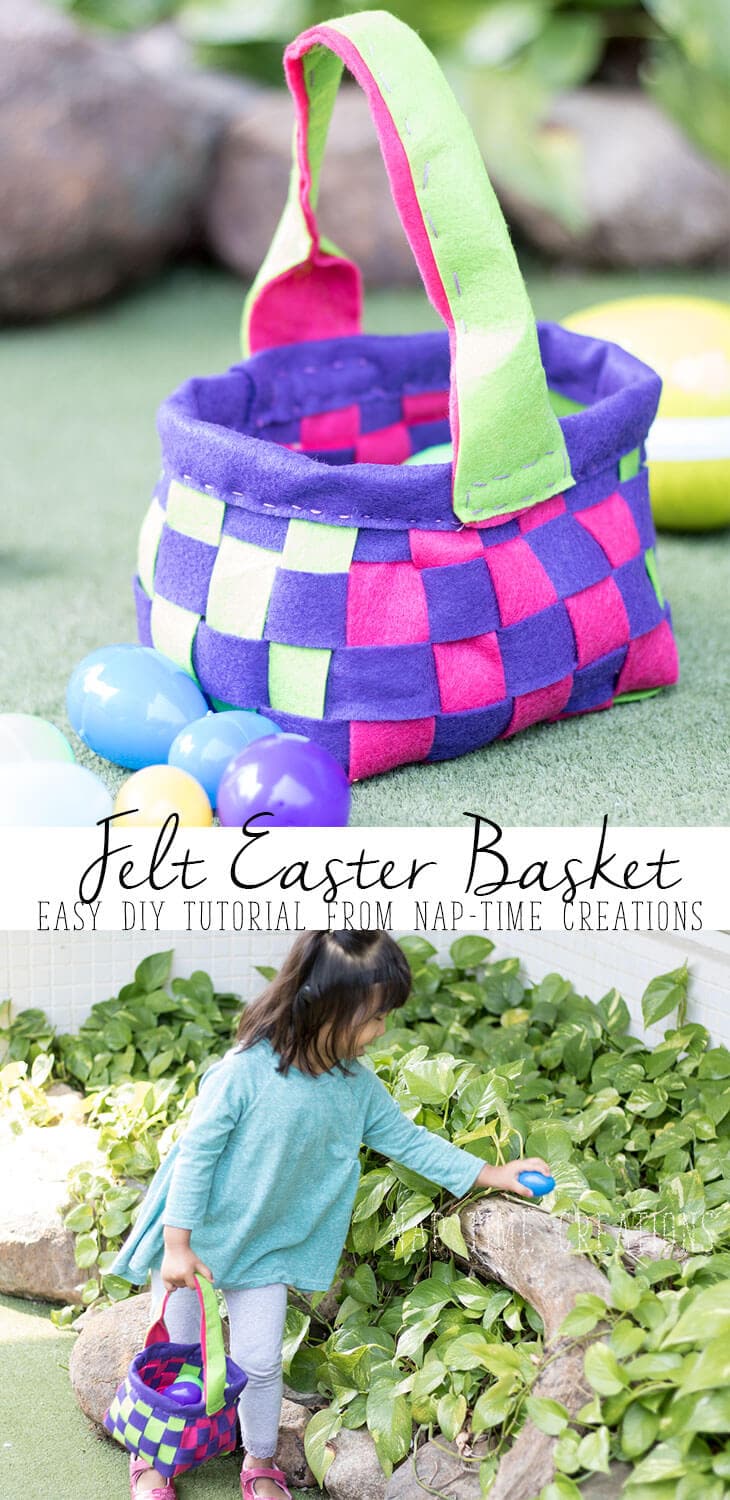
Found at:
<point>48,1450</point>
<point>79,457</point>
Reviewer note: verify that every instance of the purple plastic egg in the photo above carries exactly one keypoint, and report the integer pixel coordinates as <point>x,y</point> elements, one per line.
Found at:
<point>291,779</point>
<point>185,1392</point>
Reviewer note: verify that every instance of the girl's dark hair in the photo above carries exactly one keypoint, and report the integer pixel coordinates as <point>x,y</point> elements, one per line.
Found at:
<point>326,982</point>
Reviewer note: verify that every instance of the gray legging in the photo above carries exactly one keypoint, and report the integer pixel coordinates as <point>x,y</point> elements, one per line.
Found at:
<point>256,1318</point>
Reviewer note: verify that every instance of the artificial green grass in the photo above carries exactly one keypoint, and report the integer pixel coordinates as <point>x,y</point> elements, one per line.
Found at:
<point>80,456</point>
<point>48,1449</point>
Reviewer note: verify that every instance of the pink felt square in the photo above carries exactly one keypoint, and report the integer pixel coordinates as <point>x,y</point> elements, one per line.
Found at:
<point>612,525</point>
<point>599,619</point>
<point>436,549</point>
<point>331,429</point>
<point>520,582</point>
<point>389,445</point>
<point>380,747</point>
<point>537,515</point>
<point>651,662</point>
<point>426,406</point>
<point>544,704</point>
<point>469,673</point>
<point>386,605</point>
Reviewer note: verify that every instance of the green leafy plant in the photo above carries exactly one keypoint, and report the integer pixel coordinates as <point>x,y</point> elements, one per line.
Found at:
<point>506,58</point>
<point>637,1135</point>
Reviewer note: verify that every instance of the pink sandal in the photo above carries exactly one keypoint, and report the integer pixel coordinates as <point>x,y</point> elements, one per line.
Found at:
<point>138,1467</point>
<point>249,1477</point>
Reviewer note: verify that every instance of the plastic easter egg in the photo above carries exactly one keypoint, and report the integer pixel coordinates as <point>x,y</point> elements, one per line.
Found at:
<point>51,794</point>
<point>185,1392</point>
<point>438,453</point>
<point>537,1182</point>
<point>128,702</point>
<point>26,737</point>
<point>147,799</point>
<point>687,341</point>
<point>208,745</point>
<point>294,781</point>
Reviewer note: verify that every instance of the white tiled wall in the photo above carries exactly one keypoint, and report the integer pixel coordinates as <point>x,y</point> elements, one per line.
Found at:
<point>64,975</point>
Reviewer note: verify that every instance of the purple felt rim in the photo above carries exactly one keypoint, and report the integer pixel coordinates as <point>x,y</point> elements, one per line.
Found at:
<point>208,426</point>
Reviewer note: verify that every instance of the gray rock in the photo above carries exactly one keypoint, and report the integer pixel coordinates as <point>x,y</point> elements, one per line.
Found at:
<point>650,198</point>
<point>108,1340</point>
<point>290,1451</point>
<point>103,165</point>
<point>355,1473</point>
<point>606,1486</point>
<point>36,1252</point>
<point>440,1467</point>
<point>249,187</point>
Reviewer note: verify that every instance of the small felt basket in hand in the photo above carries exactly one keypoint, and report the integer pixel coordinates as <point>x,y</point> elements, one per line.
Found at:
<point>293,564</point>
<point>173,1438</point>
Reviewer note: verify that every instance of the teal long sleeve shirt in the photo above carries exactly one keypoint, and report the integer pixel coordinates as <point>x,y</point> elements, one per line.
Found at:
<point>266,1172</point>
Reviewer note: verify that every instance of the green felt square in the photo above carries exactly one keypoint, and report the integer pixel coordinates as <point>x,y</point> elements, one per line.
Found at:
<point>630,465</point>
<point>125,1408</point>
<point>175,1424</point>
<point>173,631</point>
<point>166,1453</point>
<point>298,679</point>
<point>148,546</point>
<point>130,1436</point>
<point>188,1372</point>
<point>314,548</point>
<point>653,571</point>
<point>240,588</point>
<point>154,1429</point>
<point>194,513</point>
<point>564,405</point>
<point>636,695</point>
<point>144,1409</point>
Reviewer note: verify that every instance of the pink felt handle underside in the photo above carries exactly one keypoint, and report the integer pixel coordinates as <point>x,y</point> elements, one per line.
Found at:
<point>158,1334</point>
<point>322,298</point>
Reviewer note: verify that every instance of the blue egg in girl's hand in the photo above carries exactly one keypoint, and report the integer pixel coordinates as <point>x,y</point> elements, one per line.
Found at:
<point>537,1182</point>
<point>51,794</point>
<point>205,747</point>
<point>128,703</point>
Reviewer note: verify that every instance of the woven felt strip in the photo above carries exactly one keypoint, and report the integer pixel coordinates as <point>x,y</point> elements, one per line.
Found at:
<point>499,401</point>
<point>240,588</point>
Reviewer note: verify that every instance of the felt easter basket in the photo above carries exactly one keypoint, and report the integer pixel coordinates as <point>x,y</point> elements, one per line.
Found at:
<point>174,1438</point>
<point>295,563</point>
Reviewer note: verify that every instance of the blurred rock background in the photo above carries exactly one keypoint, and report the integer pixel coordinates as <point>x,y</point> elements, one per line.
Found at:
<point>139,131</point>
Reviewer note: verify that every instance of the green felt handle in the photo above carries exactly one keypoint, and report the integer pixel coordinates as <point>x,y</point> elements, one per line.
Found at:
<point>509,447</point>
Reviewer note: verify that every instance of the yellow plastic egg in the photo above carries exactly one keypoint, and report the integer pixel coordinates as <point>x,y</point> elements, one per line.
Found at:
<point>687,341</point>
<point>148,798</point>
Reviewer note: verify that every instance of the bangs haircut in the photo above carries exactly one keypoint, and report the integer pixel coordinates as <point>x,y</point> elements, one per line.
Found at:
<point>331,983</point>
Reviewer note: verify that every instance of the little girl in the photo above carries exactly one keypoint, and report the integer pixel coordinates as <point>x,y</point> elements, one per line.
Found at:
<point>258,1192</point>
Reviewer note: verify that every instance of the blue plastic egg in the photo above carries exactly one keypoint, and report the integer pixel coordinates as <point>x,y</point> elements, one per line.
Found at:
<point>208,745</point>
<point>537,1182</point>
<point>51,794</point>
<point>128,703</point>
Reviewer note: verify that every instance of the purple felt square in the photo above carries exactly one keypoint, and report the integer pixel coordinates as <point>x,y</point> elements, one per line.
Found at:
<point>384,682</point>
<point>183,569</point>
<point>592,490</point>
<point>429,434</point>
<point>636,494</point>
<point>256,527</point>
<point>637,591</point>
<point>230,669</point>
<point>307,609</point>
<point>596,684</point>
<point>461,600</point>
<point>503,532</point>
<point>143,605</point>
<point>571,557</point>
<point>538,651</point>
<point>456,734</point>
<point>332,456</point>
<point>278,432</point>
<point>382,546</point>
<point>382,409</point>
<point>332,734</point>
